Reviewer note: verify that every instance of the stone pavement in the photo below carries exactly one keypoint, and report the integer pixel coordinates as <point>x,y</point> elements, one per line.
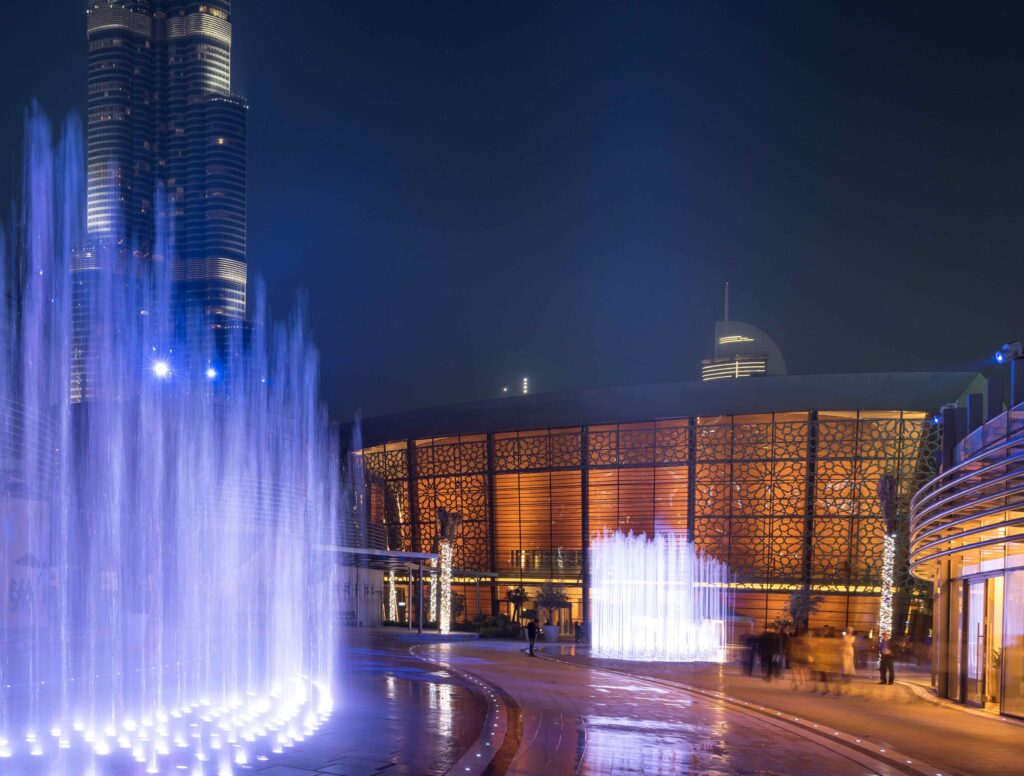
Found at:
<point>577,719</point>
<point>953,739</point>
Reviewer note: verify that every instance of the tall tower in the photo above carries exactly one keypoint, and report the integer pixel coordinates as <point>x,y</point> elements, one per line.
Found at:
<point>166,157</point>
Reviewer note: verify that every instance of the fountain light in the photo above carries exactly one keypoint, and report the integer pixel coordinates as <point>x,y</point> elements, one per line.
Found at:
<point>161,369</point>
<point>211,373</point>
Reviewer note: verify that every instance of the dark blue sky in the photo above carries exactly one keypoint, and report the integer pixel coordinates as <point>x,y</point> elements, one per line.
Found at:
<point>471,192</point>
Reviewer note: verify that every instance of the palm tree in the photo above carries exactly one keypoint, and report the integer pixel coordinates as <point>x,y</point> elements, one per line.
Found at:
<point>517,596</point>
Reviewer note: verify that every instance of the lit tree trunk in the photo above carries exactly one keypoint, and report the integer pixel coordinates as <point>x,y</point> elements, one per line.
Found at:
<point>450,527</point>
<point>445,551</point>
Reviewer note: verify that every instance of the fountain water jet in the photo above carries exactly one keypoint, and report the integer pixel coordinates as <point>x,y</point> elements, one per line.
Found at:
<point>161,597</point>
<point>656,599</point>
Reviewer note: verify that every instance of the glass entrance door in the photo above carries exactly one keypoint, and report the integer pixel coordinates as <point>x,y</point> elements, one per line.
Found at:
<point>974,625</point>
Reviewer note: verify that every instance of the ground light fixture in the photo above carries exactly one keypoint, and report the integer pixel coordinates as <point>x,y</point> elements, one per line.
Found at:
<point>161,369</point>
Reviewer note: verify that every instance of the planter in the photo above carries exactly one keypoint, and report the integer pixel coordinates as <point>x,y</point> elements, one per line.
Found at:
<point>550,634</point>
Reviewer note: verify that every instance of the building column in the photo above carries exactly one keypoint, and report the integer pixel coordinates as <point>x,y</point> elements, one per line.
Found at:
<point>811,484</point>
<point>414,508</point>
<point>941,647</point>
<point>585,519</point>
<point>691,482</point>
<point>419,608</point>
<point>492,529</point>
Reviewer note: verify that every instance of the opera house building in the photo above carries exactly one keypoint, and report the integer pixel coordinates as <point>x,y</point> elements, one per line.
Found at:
<point>775,475</point>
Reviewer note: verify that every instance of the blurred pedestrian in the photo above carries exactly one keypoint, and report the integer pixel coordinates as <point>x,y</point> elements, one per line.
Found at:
<point>768,647</point>
<point>750,650</point>
<point>799,660</point>
<point>847,645</point>
<point>886,658</point>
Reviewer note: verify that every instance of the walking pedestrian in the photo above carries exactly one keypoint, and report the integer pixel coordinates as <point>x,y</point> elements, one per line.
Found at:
<point>885,660</point>
<point>846,652</point>
<point>769,652</point>
<point>531,633</point>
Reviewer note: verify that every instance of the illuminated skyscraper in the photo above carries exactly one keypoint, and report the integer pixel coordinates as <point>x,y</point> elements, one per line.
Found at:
<point>741,350</point>
<point>166,155</point>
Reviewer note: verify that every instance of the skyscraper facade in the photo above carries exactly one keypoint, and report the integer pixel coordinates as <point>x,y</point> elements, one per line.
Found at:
<point>166,156</point>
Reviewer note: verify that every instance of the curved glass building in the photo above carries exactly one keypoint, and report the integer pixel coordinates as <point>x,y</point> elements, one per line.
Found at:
<point>967,536</point>
<point>776,476</point>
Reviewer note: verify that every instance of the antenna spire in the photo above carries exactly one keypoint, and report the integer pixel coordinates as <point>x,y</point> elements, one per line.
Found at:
<point>726,317</point>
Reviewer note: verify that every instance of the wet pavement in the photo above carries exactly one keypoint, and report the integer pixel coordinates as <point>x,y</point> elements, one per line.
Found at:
<point>953,740</point>
<point>575,719</point>
<point>394,714</point>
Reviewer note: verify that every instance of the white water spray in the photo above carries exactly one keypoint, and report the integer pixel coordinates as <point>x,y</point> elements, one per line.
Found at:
<point>656,599</point>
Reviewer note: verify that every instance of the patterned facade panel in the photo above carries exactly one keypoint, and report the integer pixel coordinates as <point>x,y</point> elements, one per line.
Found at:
<point>506,454</point>
<point>748,548</point>
<point>790,441</point>
<point>880,438</point>
<point>711,536</point>
<point>786,549</point>
<point>751,441</point>
<point>467,495</point>
<point>636,446</point>
<point>672,442</point>
<point>868,537</point>
<point>603,447</point>
<point>714,440</point>
<point>830,550</point>
<point>533,452</point>
<point>565,450</point>
<point>752,488</point>
<point>837,439</point>
<point>387,464</point>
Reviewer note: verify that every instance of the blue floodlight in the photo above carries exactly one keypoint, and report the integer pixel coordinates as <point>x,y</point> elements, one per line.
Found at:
<point>161,369</point>
<point>936,420</point>
<point>211,373</point>
<point>1000,356</point>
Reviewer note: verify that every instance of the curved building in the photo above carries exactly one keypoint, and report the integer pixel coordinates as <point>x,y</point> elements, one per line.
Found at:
<point>967,537</point>
<point>777,477</point>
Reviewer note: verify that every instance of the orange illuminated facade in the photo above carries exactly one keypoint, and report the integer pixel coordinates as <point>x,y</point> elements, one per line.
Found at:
<point>786,498</point>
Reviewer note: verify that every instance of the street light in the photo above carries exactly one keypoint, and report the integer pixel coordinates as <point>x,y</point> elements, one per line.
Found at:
<point>1009,351</point>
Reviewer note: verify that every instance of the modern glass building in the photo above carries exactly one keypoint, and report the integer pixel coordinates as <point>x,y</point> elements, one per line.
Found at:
<point>775,476</point>
<point>967,536</point>
<point>166,145</point>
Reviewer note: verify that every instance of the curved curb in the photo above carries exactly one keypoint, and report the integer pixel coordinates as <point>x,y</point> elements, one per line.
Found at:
<point>494,748</point>
<point>882,760</point>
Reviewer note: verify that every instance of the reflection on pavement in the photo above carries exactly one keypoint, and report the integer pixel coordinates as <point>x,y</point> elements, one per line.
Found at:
<point>581,720</point>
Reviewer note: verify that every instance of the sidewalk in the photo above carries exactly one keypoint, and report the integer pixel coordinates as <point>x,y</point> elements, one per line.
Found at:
<point>888,715</point>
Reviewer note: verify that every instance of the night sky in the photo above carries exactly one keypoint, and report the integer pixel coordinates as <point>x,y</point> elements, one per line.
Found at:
<point>472,192</point>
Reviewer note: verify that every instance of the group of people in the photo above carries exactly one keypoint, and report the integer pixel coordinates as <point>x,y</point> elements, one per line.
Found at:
<point>824,659</point>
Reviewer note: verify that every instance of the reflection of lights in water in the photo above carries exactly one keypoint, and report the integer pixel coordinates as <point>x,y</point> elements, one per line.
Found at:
<point>627,744</point>
<point>392,598</point>
<point>390,687</point>
<point>656,599</point>
<point>439,698</point>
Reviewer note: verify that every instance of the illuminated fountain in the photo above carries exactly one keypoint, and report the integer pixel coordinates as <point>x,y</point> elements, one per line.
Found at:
<point>163,605</point>
<point>656,599</point>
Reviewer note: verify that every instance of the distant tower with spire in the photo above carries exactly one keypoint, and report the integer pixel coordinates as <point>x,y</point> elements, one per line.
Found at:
<point>741,350</point>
